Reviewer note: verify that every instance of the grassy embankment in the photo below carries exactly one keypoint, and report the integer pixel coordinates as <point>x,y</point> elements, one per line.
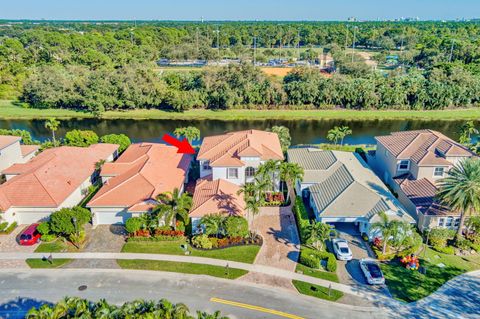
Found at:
<point>9,110</point>
<point>308,289</point>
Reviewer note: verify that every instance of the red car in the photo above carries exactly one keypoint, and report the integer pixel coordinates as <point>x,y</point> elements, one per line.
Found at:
<point>30,236</point>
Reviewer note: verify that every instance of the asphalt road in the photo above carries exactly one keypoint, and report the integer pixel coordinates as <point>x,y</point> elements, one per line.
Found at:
<point>34,287</point>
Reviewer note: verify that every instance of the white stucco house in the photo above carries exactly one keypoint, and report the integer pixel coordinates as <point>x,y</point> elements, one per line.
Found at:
<point>341,188</point>
<point>236,156</point>
<point>132,183</point>
<point>56,178</point>
<point>12,152</point>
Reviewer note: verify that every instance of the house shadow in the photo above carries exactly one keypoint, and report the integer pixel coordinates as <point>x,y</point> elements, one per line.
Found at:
<point>287,235</point>
<point>18,308</point>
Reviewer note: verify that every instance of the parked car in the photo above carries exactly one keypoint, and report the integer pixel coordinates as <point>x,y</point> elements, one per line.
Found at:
<point>341,249</point>
<point>372,272</point>
<point>30,236</point>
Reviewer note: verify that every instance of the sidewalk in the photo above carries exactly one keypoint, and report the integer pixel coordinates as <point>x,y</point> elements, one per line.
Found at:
<point>356,291</point>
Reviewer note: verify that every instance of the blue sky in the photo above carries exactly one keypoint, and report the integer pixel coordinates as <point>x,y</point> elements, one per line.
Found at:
<point>237,10</point>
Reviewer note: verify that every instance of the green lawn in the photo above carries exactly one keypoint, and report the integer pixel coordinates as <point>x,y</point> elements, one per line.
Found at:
<point>40,263</point>
<point>244,254</point>
<point>410,285</point>
<point>56,246</point>
<point>186,268</point>
<point>306,288</point>
<point>330,276</point>
<point>8,110</point>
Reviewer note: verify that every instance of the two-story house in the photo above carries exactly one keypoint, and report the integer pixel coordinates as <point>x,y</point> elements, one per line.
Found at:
<point>12,152</point>
<point>411,163</point>
<point>236,156</point>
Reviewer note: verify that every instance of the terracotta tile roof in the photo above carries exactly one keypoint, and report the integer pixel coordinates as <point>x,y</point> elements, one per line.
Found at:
<point>423,147</point>
<point>422,194</point>
<point>226,149</point>
<point>48,179</point>
<point>141,173</point>
<point>28,149</point>
<point>217,196</point>
<point>7,140</point>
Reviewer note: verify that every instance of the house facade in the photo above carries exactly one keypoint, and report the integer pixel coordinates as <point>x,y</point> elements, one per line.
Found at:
<point>236,156</point>
<point>341,188</point>
<point>57,178</point>
<point>12,152</point>
<point>411,163</point>
<point>132,183</point>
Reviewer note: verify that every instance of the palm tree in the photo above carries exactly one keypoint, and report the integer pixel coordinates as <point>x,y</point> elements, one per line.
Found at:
<point>344,130</point>
<point>191,133</point>
<point>466,132</point>
<point>318,233</point>
<point>268,172</point>
<point>290,173</point>
<point>460,190</point>
<point>173,205</point>
<point>334,135</point>
<point>283,135</point>
<point>215,315</point>
<point>252,205</point>
<point>52,124</point>
<point>386,227</point>
<point>214,223</point>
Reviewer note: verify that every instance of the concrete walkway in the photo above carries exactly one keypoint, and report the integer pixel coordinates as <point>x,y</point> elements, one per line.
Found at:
<point>263,269</point>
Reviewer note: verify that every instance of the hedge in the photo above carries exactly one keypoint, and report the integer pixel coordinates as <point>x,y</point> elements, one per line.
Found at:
<point>301,216</point>
<point>311,258</point>
<point>156,238</point>
<point>9,229</point>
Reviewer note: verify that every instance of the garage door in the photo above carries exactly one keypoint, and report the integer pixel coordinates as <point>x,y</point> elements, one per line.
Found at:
<point>110,218</point>
<point>30,217</point>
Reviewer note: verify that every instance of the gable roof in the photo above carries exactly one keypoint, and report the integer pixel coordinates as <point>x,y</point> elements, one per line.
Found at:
<point>140,174</point>
<point>48,179</point>
<point>217,196</point>
<point>226,149</point>
<point>423,147</point>
<point>28,149</point>
<point>7,140</point>
<point>344,185</point>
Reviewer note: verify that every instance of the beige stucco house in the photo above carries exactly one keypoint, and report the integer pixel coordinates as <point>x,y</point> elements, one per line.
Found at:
<point>411,163</point>
<point>12,152</point>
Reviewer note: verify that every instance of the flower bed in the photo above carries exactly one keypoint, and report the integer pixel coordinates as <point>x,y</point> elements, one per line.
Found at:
<point>158,235</point>
<point>203,242</point>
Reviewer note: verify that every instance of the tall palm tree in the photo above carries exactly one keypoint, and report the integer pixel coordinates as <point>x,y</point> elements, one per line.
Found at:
<point>386,227</point>
<point>214,224</point>
<point>173,205</point>
<point>334,135</point>
<point>268,172</point>
<point>290,173</point>
<point>344,131</point>
<point>318,233</point>
<point>460,190</point>
<point>52,124</point>
<point>252,205</point>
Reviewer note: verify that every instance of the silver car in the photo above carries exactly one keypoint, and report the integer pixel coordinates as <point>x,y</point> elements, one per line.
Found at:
<point>341,249</point>
<point>372,272</point>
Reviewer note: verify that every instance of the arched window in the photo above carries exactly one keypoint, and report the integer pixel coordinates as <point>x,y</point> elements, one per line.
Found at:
<point>249,171</point>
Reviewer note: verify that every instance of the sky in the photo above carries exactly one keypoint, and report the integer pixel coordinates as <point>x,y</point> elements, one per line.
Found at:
<point>237,9</point>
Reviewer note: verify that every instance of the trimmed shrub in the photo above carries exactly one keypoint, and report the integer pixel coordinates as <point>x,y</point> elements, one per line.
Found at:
<point>439,236</point>
<point>44,228</point>
<point>48,237</point>
<point>449,250</point>
<point>463,244</point>
<point>236,226</point>
<point>202,241</point>
<point>309,260</point>
<point>132,225</point>
<point>301,216</point>
<point>10,228</point>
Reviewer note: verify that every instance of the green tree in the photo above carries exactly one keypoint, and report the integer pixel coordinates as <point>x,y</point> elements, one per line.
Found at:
<point>338,133</point>
<point>52,124</point>
<point>173,205</point>
<point>81,138</point>
<point>386,227</point>
<point>236,226</point>
<point>134,224</point>
<point>460,190</point>
<point>283,135</point>
<point>62,221</point>
<point>291,173</point>
<point>120,139</point>
<point>467,130</point>
<point>191,133</point>
<point>318,233</point>
<point>214,224</point>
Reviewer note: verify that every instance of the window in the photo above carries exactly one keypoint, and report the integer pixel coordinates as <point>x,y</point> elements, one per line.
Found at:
<point>249,172</point>
<point>457,222</point>
<point>449,222</point>
<point>206,166</point>
<point>403,165</point>
<point>438,172</point>
<point>232,173</point>
<point>441,222</point>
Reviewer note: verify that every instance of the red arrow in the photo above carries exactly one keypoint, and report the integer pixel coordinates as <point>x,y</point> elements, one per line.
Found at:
<point>183,146</point>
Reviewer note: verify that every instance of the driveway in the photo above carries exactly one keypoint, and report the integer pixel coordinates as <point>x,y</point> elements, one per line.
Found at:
<point>103,238</point>
<point>8,243</point>
<point>281,244</point>
<point>349,273</point>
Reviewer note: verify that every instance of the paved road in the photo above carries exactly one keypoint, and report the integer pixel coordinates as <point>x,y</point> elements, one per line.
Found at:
<point>37,286</point>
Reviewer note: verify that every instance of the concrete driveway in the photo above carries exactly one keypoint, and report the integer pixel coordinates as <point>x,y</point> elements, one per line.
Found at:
<point>349,272</point>
<point>9,243</point>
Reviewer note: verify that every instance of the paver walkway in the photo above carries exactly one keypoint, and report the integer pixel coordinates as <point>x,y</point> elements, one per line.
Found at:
<point>8,243</point>
<point>281,245</point>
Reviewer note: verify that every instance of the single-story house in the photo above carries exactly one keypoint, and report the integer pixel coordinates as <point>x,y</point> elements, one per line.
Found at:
<point>56,178</point>
<point>133,182</point>
<point>216,196</point>
<point>341,188</point>
<point>12,152</point>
